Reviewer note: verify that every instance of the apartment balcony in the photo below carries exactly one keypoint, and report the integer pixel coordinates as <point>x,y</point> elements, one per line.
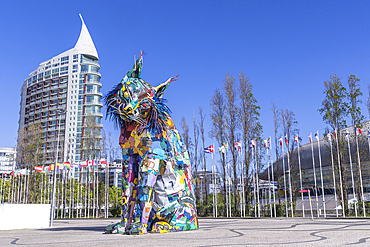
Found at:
<point>93,114</point>
<point>90,62</point>
<point>90,92</point>
<point>94,103</point>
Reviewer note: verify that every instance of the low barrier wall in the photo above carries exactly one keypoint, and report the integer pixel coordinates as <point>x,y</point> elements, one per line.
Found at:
<point>22,216</point>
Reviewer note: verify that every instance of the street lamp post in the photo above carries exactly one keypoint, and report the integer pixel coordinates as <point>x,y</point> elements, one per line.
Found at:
<point>52,208</point>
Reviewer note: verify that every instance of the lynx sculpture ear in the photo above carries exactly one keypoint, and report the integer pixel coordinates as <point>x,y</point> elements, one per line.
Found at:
<point>163,86</point>
<point>135,72</point>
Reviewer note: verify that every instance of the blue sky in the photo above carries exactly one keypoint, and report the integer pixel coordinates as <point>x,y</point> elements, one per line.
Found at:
<point>286,48</point>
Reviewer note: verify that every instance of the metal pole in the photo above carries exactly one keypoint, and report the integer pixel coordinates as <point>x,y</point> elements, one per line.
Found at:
<point>314,175</point>
<point>285,194</point>
<point>54,173</point>
<point>258,194</point>
<point>332,164</point>
<point>272,176</point>
<point>254,185</point>
<point>353,181</point>
<point>359,169</point>
<point>300,177</point>
<point>340,175</point>
<point>268,175</point>
<point>290,182</point>
<point>309,198</point>
<point>322,180</point>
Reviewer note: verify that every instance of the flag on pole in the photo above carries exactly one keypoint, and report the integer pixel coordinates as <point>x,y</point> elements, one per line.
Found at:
<point>103,162</point>
<point>265,143</point>
<point>67,165</point>
<point>286,140</point>
<point>309,136</point>
<point>347,133</point>
<point>238,146</point>
<point>317,135</point>
<point>368,132</point>
<point>222,149</point>
<point>39,168</point>
<point>89,162</point>
<point>359,131</point>
<point>209,150</point>
<point>253,143</point>
<point>281,141</point>
<point>270,141</point>
<point>226,146</point>
<point>296,139</point>
<point>329,136</point>
<point>83,164</point>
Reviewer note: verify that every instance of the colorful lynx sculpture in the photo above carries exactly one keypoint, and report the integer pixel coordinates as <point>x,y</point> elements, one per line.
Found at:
<point>158,193</point>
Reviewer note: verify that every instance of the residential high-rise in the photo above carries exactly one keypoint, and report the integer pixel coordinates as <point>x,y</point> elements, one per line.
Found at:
<point>67,82</point>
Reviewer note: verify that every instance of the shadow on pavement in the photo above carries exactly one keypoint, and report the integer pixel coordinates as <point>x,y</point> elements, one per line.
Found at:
<point>82,228</point>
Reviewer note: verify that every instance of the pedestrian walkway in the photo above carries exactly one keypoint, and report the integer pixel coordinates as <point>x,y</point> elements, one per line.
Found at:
<point>212,232</point>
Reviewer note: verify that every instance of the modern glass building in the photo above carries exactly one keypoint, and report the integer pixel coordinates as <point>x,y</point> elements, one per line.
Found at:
<point>67,82</point>
<point>7,160</point>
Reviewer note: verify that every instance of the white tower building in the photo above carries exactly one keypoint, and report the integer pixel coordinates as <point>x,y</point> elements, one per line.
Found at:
<point>69,81</point>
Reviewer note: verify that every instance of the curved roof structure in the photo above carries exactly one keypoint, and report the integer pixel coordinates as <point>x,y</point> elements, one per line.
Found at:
<point>307,150</point>
<point>85,44</point>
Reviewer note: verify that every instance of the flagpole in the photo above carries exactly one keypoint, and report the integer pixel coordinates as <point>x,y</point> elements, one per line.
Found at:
<point>257,178</point>
<point>229,181</point>
<point>97,188</point>
<point>214,165</point>
<point>332,164</point>
<point>240,184</point>
<point>107,189</point>
<point>353,181</point>
<point>222,151</point>
<point>359,169</point>
<point>289,177</point>
<point>254,184</point>
<point>300,176</point>
<point>243,182</point>
<point>1,189</point>
<point>272,176</point>
<point>10,193</point>
<point>322,180</point>
<point>73,189</point>
<point>314,176</point>
<point>268,175</point>
<point>285,192</point>
<point>213,194</point>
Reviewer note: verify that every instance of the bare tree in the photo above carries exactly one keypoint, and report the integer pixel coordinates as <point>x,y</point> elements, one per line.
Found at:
<point>90,143</point>
<point>277,122</point>
<point>232,125</point>
<point>185,132</point>
<point>249,118</point>
<point>217,106</point>
<point>195,156</point>
<point>202,118</point>
<point>290,130</point>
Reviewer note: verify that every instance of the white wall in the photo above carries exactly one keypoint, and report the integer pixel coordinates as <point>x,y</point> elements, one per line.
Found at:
<point>21,216</point>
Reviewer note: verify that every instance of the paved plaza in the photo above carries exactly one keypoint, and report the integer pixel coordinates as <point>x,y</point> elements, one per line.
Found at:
<point>212,232</point>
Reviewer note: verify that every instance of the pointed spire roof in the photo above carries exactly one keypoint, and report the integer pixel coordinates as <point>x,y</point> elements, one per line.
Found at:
<point>85,44</point>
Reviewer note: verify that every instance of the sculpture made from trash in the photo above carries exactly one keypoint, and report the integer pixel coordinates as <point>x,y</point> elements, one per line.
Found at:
<point>158,190</point>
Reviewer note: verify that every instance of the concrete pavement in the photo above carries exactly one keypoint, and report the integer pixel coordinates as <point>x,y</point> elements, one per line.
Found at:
<point>212,232</point>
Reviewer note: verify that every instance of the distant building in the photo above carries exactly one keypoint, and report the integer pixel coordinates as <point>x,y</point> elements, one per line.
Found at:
<point>205,179</point>
<point>7,159</point>
<point>115,173</point>
<point>308,174</point>
<point>69,81</point>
